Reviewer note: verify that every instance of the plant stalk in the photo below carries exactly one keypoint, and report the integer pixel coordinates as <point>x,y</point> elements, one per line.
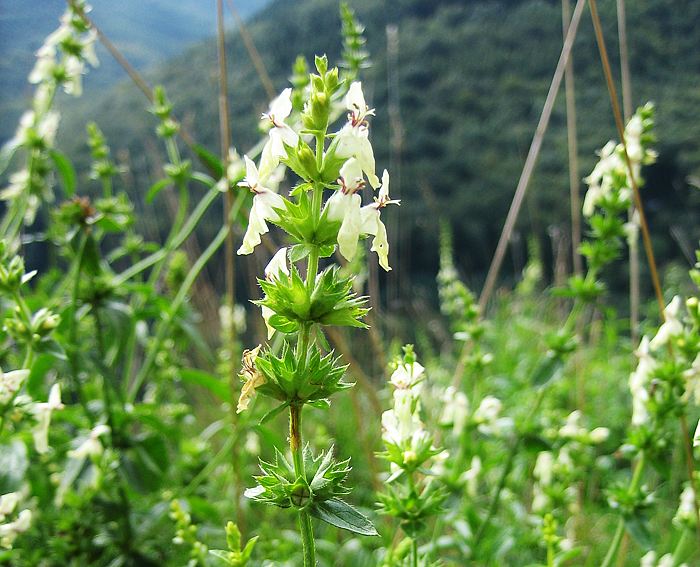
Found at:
<point>295,444</point>
<point>620,531</point>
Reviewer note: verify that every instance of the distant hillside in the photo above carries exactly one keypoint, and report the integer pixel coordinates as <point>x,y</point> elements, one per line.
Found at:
<point>147,32</point>
<point>472,79</point>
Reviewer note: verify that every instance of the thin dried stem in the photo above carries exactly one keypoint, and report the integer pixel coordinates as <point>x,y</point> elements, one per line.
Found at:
<point>572,142</point>
<point>532,156</point>
<point>258,62</point>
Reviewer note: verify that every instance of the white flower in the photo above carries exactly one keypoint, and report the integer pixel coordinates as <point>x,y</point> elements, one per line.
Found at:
<point>9,531</point>
<point>599,435</point>
<point>280,133</point>
<point>277,264</point>
<point>10,383</point>
<point>74,69</point>
<point>346,207</point>
<point>406,375</point>
<point>696,436</point>
<point>8,502</point>
<point>19,183</point>
<point>544,468</point>
<point>353,138</point>
<point>264,204</point>
<point>351,178</point>
<point>471,476</point>
<point>649,560</point>
<point>92,446</point>
<point>486,416</point>
<point>42,412</point>
<point>45,65</point>
<point>638,383</point>
<point>353,141</point>
<point>671,325</point>
<point>572,428</point>
<point>631,229</point>
<point>455,409</point>
<point>692,378</point>
<point>355,103</point>
<point>372,224</point>
<point>687,511</point>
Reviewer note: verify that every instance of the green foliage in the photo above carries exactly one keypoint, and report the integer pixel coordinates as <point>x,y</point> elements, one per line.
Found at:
<point>298,375</point>
<point>331,302</point>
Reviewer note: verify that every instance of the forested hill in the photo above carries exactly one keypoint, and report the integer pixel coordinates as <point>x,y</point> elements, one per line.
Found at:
<point>472,78</point>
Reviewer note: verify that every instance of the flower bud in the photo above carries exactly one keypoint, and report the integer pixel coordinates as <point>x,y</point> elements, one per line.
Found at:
<point>306,157</point>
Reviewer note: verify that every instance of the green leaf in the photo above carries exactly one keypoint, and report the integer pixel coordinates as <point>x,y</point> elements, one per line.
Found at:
<point>639,530</point>
<point>40,368</point>
<point>548,369</point>
<point>272,413</point>
<point>299,252</point>
<point>212,383</point>
<point>6,154</point>
<point>156,188</point>
<point>66,171</point>
<point>341,515</point>
<point>210,160</point>
<point>13,466</point>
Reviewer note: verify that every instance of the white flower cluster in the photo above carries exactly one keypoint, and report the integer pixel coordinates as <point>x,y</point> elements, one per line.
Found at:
<point>486,417</point>
<point>548,469</point>
<point>640,378</point>
<point>650,560</point>
<point>572,430</point>
<point>63,56</point>
<point>612,166</point>
<point>10,386</point>
<point>402,426</point>
<point>61,61</point>
<point>686,515</point>
<point>345,206</point>
<point>91,446</point>
<point>9,530</point>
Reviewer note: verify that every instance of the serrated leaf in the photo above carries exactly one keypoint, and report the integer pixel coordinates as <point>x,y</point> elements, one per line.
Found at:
<point>66,171</point>
<point>341,515</point>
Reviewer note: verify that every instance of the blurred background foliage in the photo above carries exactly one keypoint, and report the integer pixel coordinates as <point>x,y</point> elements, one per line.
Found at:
<point>471,78</point>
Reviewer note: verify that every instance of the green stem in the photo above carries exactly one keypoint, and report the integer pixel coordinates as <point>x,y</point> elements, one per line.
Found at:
<point>614,548</point>
<point>414,552</point>
<point>550,553</point>
<point>680,550</point>
<point>186,230</point>
<point>73,329</point>
<point>496,498</point>
<point>165,323</point>
<point>127,532</point>
<point>295,444</point>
